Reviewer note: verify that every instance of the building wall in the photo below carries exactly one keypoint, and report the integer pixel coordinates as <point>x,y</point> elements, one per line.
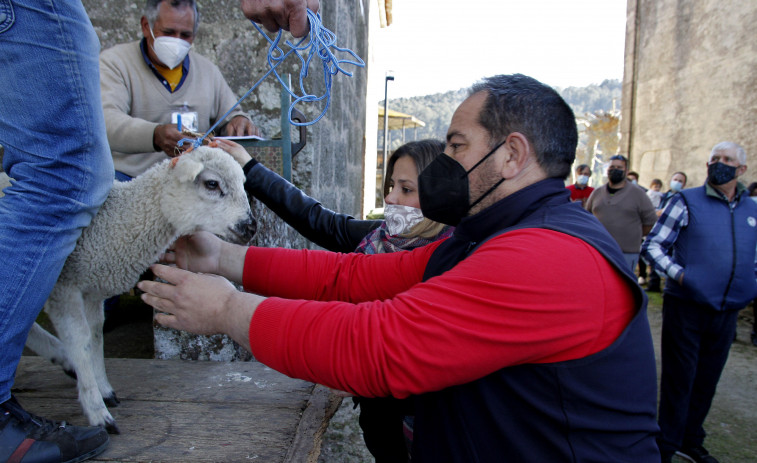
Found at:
<point>330,167</point>
<point>690,81</point>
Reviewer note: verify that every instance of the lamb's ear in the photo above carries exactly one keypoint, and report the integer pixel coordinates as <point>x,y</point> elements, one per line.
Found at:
<point>186,169</point>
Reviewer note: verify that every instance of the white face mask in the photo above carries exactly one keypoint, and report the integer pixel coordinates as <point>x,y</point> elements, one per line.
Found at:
<point>676,186</point>
<point>582,179</point>
<point>400,219</point>
<point>171,51</point>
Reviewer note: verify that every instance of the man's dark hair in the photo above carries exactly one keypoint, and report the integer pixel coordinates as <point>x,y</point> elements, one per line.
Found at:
<point>151,10</point>
<point>518,103</point>
<point>620,157</point>
<point>581,167</point>
<point>635,174</point>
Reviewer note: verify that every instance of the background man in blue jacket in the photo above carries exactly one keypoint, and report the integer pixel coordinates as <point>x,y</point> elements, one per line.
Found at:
<point>712,231</point>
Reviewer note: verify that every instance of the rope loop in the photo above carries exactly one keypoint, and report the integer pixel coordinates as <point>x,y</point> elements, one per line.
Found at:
<point>319,42</point>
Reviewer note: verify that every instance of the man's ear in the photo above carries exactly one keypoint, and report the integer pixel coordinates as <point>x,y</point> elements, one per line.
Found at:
<point>743,171</point>
<point>145,27</point>
<point>518,153</point>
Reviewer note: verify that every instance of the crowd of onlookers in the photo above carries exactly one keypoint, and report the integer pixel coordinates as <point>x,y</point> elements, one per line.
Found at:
<point>701,242</point>
<point>652,281</point>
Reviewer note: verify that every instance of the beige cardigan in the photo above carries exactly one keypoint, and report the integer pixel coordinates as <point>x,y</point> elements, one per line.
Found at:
<point>135,102</point>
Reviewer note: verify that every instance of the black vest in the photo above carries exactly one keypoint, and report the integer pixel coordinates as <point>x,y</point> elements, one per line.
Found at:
<point>599,408</point>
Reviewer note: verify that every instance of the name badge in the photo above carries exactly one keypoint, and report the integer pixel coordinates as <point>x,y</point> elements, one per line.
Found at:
<point>188,120</point>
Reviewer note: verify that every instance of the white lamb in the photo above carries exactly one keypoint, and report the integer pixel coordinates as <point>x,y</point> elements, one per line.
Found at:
<point>200,190</point>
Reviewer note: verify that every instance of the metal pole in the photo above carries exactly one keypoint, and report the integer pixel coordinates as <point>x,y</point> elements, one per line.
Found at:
<point>384,157</point>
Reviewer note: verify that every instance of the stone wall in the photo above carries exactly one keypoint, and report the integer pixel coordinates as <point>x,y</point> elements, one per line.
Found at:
<point>329,168</point>
<point>690,82</point>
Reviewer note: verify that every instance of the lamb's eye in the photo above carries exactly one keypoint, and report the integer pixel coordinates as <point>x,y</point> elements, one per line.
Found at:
<point>211,184</point>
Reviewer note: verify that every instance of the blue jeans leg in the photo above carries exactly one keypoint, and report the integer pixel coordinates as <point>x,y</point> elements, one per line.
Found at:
<point>55,147</point>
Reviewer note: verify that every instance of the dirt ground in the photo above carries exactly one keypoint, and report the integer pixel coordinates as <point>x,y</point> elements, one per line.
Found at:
<point>732,421</point>
<point>731,424</point>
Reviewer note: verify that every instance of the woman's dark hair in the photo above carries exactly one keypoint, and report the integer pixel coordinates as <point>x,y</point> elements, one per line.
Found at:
<point>422,152</point>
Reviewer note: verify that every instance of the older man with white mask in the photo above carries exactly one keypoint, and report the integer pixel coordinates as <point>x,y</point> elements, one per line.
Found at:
<point>151,86</point>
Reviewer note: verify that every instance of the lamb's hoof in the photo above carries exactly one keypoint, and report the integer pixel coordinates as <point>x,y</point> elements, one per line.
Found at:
<point>111,400</point>
<point>112,428</point>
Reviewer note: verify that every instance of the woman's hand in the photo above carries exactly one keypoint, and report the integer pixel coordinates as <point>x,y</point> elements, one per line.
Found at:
<point>236,150</point>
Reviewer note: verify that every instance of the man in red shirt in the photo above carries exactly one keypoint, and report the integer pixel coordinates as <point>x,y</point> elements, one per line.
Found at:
<point>504,353</point>
<point>580,191</point>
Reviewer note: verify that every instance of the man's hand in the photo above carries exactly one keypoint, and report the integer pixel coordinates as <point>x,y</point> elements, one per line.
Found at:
<point>206,253</point>
<point>199,252</point>
<point>193,302</point>
<point>165,138</point>
<point>198,303</point>
<point>240,126</point>
<point>289,15</point>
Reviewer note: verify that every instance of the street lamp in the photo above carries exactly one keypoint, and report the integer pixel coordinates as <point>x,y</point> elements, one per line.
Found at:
<point>389,77</point>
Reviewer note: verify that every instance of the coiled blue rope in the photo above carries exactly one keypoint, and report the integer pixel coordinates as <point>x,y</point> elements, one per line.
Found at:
<point>319,42</point>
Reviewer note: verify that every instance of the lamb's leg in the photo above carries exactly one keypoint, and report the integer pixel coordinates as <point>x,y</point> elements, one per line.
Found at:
<point>49,347</point>
<point>93,308</point>
<point>66,311</point>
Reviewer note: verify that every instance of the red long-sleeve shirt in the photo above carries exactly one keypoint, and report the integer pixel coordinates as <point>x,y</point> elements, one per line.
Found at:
<point>370,326</point>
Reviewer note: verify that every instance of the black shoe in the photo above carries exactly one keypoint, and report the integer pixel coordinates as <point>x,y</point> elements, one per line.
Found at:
<point>697,454</point>
<point>27,437</point>
<point>653,288</point>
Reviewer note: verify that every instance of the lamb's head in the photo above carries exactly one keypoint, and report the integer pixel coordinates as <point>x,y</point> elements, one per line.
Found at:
<point>204,190</point>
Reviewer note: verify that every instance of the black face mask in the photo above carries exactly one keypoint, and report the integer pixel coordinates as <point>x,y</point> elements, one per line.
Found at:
<point>616,175</point>
<point>443,189</point>
<point>719,173</point>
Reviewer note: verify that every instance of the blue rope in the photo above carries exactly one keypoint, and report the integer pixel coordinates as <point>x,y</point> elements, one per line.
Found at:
<point>320,43</point>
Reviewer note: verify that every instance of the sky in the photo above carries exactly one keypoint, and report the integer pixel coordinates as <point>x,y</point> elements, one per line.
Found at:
<point>434,46</point>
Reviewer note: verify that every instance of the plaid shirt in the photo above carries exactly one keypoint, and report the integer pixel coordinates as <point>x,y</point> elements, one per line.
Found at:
<point>673,219</point>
